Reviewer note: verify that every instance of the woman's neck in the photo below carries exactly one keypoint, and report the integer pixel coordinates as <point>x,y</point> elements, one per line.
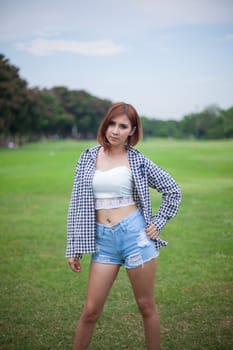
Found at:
<point>115,151</point>
<point>111,157</point>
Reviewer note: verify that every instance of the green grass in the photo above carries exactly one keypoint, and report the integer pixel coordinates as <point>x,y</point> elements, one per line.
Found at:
<point>41,299</point>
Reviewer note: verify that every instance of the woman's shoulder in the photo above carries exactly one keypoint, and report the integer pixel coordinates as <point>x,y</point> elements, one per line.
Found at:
<point>135,153</point>
<point>90,152</point>
<point>140,159</point>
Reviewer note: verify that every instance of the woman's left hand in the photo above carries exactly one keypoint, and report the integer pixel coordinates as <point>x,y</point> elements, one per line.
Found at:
<point>152,232</point>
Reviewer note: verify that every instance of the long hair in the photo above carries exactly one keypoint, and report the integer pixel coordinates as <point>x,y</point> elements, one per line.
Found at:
<point>121,108</point>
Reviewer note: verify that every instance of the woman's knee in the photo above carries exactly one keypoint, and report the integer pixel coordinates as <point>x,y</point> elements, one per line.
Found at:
<point>146,307</point>
<point>90,314</point>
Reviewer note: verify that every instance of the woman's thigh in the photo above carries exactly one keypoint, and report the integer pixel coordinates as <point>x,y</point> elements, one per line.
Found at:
<point>142,280</point>
<point>101,278</point>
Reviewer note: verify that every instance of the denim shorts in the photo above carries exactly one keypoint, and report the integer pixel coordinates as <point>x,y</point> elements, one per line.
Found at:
<point>125,243</point>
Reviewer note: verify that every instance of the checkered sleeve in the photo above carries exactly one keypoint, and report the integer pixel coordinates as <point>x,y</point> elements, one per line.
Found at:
<point>72,212</point>
<point>171,194</point>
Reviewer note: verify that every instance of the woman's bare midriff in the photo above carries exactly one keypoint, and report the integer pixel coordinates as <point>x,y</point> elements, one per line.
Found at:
<point>113,216</point>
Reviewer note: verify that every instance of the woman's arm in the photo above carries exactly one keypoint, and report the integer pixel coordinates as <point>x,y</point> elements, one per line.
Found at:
<point>171,194</point>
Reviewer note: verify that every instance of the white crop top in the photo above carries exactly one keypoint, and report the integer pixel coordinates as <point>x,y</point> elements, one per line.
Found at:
<point>113,188</point>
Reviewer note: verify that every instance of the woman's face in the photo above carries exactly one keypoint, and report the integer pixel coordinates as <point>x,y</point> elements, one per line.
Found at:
<point>118,130</point>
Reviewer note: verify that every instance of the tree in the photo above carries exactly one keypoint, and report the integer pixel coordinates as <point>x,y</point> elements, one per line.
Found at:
<point>32,113</point>
<point>47,115</point>
<point>13,99</point>
<point>222,126</point>
<point>86,109</point>
<point>198,125</point>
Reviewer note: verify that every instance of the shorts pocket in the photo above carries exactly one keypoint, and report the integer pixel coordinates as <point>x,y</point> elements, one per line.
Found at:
<point>99,233</point>
<point>143,240</point>
<point>136,224</point>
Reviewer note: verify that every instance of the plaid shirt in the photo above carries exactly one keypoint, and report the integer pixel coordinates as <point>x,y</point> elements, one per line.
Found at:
<point>81,214</point>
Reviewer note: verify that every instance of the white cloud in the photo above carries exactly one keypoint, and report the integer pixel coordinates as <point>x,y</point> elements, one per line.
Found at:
<point>130,17</point>
<point>183,12</point>
<point>228,37</point>
<point>44,47</point>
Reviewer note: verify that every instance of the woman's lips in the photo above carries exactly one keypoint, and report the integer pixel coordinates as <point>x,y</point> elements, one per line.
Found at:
<point>114,138</point>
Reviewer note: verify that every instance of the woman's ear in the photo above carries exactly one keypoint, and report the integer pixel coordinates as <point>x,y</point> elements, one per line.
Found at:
<point>133,131</point>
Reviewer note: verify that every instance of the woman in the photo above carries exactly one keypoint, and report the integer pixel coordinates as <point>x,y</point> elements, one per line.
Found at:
<point>110,216</point>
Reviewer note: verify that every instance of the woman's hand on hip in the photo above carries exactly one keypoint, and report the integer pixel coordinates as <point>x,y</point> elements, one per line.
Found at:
<point>74,264</point>
<point>152,231</point>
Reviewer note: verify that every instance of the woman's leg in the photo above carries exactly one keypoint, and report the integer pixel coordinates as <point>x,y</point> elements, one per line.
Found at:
<point>101,278</point>
<point>142,280</point>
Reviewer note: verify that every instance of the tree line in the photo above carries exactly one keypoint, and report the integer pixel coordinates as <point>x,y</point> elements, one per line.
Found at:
<point>28,114</point>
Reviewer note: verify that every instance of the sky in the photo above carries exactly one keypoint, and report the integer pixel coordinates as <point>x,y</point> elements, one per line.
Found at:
<point>168,58</point>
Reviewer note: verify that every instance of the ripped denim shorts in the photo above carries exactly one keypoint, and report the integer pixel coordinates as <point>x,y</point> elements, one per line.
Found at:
<point>125,243</point>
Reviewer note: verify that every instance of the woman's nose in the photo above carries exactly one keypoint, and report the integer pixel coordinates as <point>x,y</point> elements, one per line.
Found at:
<point>115,129</point>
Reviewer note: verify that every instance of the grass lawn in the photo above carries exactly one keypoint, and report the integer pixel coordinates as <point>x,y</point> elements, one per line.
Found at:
<point>41,299</point>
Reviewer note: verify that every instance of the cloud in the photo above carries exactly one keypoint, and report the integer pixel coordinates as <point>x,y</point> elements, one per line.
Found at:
<point>45,47</point>
<point>228,37</point>
<point>183,12</point>
<point>123,18</point>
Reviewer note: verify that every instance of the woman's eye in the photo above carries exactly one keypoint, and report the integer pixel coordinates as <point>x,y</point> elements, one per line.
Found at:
<point>123,126</point>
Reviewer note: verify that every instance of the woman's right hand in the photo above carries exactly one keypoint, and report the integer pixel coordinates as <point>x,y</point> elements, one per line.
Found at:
<point>74,264</point>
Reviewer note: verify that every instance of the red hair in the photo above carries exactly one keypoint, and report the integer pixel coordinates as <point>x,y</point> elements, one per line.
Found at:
<point>115,110</point>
